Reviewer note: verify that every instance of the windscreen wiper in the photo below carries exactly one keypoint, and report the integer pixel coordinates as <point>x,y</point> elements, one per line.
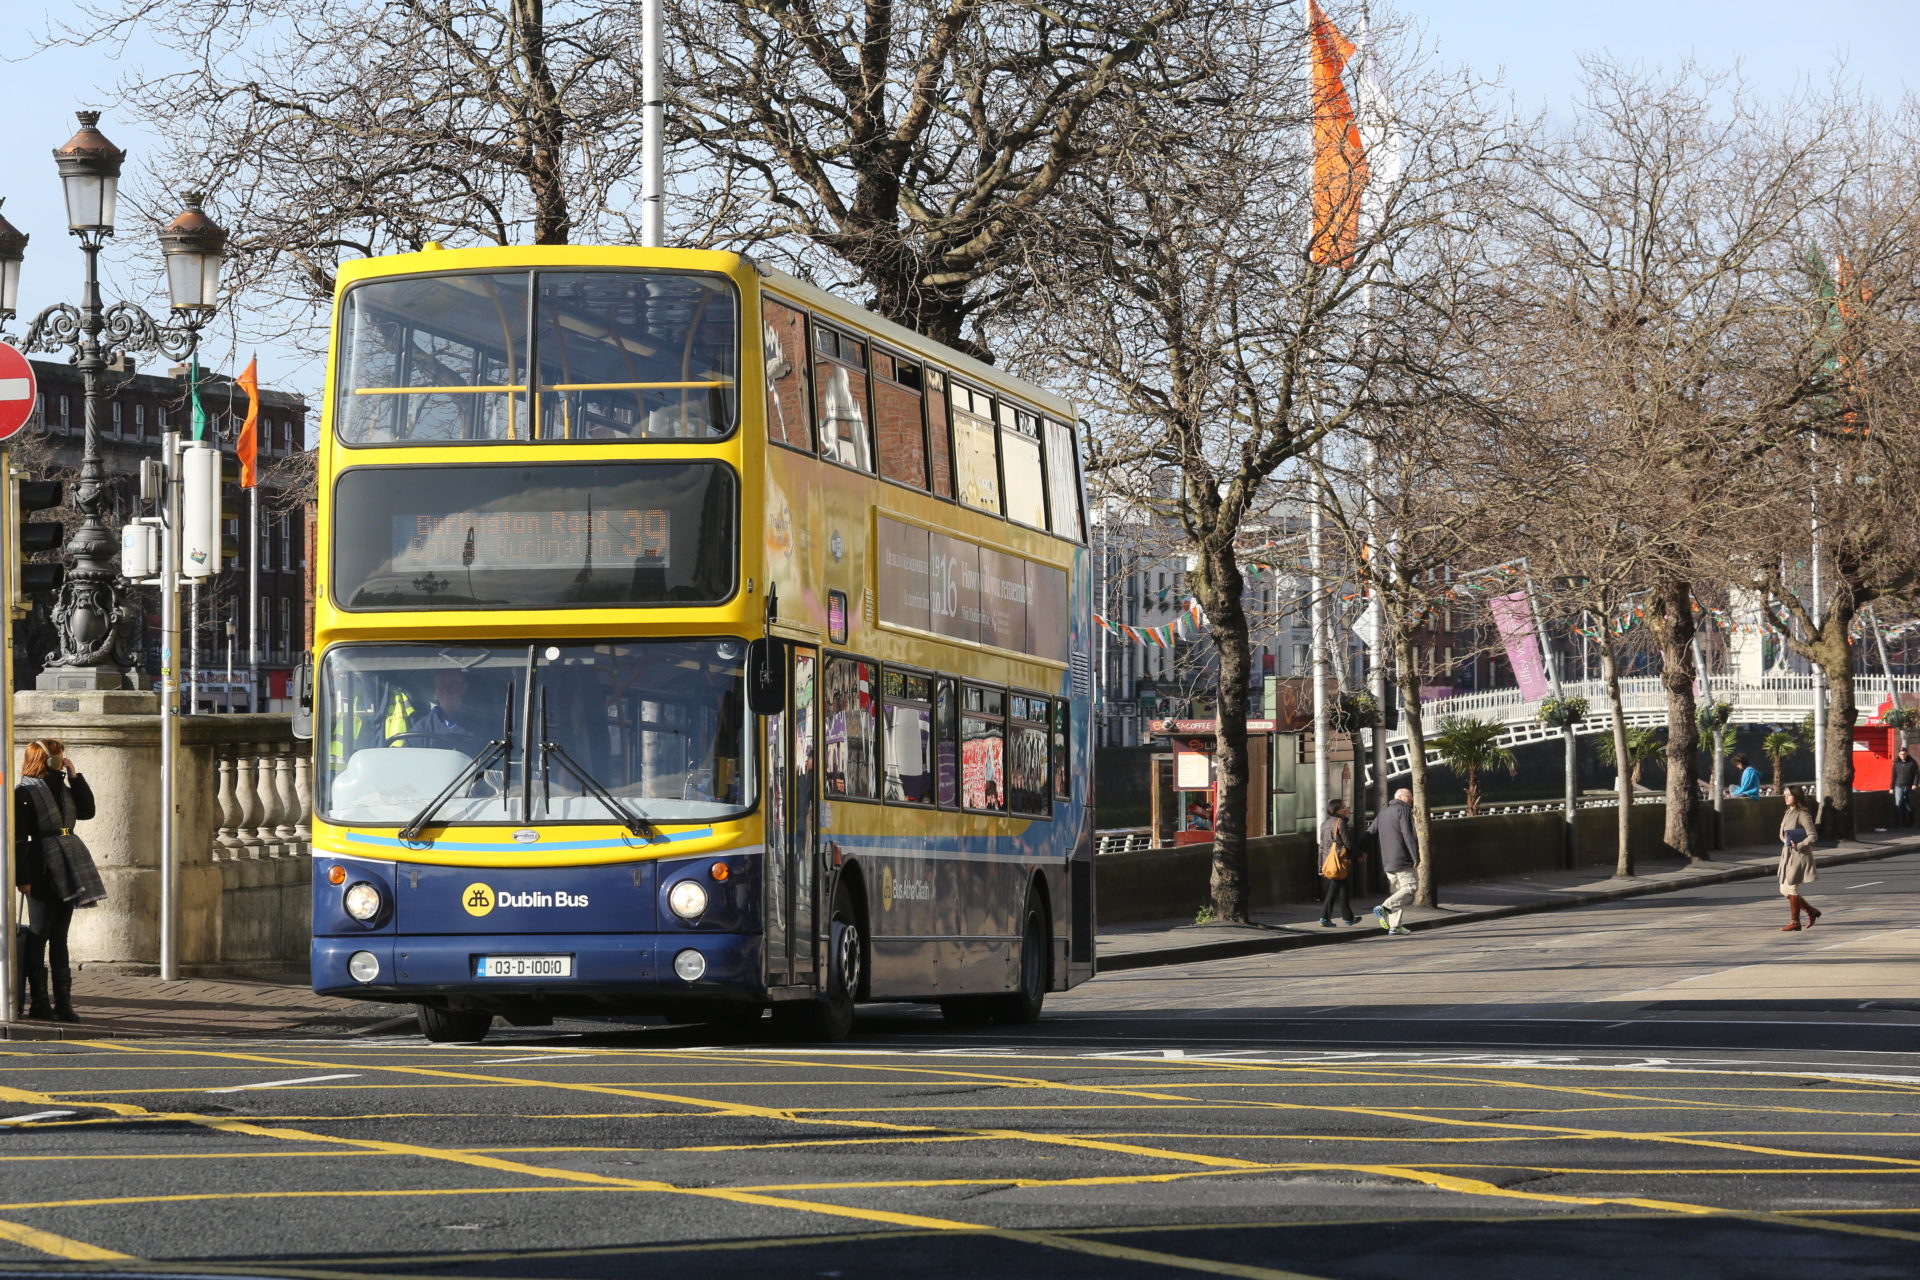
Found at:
<point>496,749</point>
<point>632,821</point>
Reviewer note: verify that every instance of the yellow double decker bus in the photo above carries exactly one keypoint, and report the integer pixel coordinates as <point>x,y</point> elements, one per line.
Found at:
<point>689,642</point>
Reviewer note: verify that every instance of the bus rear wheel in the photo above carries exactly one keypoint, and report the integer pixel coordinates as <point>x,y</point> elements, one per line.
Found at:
<point>1021,1007</point>
<point>453,1026</point>
<point>830,1018</point>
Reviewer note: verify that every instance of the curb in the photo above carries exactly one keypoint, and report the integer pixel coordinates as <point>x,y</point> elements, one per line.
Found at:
<point>67,1031</point>
<point>1286,939</point>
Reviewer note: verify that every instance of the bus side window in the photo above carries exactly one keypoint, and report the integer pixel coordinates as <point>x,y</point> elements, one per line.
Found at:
<point>901,434</point>
<point>784,338</point>
<point>983,749</point>
<point>908,739</point>
<point>974,449</point>
<point>946,750</point>
<point>852,755</point>
<point>1062,750</point>
<point>1063,481</point>
<point>840,395</point>
<point>1028,739</point>
<point>1020,458</point>
<point>939,438</point>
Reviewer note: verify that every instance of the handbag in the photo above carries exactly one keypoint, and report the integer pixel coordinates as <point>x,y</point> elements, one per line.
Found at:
<point>1794,836</point>
<point>1337,863</point>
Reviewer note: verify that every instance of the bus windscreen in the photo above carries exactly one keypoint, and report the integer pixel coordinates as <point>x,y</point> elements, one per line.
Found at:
<point>534,537</point>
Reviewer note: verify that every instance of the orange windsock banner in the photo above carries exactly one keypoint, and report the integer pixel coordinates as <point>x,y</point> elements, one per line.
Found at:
<point>248,444</point>
<point>1339,158</point>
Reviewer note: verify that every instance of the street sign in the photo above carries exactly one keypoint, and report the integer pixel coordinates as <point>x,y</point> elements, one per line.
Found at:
<point>16,391</point>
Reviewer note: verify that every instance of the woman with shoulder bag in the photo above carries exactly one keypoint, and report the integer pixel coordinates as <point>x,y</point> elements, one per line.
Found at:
<point>1336,864</point>
<point>1797,834</point>
<point>54,869</point>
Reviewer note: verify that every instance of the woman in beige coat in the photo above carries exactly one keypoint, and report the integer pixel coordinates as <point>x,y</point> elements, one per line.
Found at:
<point>1797,834</point>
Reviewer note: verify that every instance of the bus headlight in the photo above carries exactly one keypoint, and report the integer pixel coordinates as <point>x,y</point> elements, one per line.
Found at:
<point>689,965</point>
<point>364,966</point>
<point>362,901</point>
<point>688,900</point>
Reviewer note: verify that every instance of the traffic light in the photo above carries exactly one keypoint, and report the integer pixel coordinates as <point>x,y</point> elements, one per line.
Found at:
<point>34,536</point>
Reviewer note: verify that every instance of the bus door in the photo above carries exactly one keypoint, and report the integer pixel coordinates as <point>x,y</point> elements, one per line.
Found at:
<point>793,825</point>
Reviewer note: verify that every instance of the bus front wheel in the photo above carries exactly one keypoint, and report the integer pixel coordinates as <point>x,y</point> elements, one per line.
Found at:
<point>831,1016</point>
<point>452,1026</point>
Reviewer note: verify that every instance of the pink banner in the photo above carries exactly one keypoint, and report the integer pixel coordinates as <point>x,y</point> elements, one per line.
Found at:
<point>1513,619</point>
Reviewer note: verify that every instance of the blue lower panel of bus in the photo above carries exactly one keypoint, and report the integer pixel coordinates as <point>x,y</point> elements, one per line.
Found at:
<point>609,969</point>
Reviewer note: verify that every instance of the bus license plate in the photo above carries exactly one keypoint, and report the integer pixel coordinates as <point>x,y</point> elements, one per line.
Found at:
<point>523,967</point>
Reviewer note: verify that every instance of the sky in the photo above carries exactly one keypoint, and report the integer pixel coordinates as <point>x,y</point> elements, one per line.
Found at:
<point>1536,45</point>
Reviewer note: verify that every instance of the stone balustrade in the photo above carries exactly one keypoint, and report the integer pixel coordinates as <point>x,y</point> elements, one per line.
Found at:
<point>243,796</point>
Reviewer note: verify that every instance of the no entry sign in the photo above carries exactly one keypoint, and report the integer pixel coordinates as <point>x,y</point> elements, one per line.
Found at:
<point>16,391</point>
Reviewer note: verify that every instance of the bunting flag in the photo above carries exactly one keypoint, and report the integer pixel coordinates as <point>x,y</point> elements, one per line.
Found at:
<point>199,411</point>
<point>248,444</point>
<point>1339,156</point>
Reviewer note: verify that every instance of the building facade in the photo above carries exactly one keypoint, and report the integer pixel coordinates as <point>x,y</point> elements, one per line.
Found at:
<point>140,409</point>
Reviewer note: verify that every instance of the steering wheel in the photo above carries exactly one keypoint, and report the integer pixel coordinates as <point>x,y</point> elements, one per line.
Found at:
<point>428,736</point>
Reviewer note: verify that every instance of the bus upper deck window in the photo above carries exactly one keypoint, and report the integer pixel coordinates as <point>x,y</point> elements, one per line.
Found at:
<point>434,360</point>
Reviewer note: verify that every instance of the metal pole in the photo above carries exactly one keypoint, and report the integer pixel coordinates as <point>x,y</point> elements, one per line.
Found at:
<point>253,607</point>
<point>1317,622</point>
<point>652,193</point>
<point>1819,682</point>
<point>228,700</point>
<point>169,719</point>
<point>1719,740</point>
<point>9,562</point>
<point>192,704</point>
<point>1571,766</point>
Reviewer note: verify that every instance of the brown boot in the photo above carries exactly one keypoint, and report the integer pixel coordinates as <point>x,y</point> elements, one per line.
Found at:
<point>1813,912</point>
<point>1793,911</point>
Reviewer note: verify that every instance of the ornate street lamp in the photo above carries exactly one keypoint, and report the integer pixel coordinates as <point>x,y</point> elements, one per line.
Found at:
<point>98,628</point>
<point>13,247</point>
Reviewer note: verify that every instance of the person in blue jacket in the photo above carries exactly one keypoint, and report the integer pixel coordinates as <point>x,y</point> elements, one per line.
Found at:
<point>1748,788</point>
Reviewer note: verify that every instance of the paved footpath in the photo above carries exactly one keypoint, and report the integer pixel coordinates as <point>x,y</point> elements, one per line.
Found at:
<point>127,1007</point>
<point>1298,925</point>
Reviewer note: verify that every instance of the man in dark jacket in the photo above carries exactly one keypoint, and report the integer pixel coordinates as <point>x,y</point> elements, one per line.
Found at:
<point>1906,775</point>
<point>1399,858</point>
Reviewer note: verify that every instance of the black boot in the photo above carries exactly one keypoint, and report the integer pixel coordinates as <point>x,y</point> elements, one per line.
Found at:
<point>33,975</point>
<point>63,994</point>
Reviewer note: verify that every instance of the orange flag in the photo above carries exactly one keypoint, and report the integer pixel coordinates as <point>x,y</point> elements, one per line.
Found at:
<point>248,445</point>
<point>1339,159</point>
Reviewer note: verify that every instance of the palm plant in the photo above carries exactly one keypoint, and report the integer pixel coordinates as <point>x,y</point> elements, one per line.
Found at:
<point>1777,746</point>
<point>1642,745</point>
<point>1468,747</point>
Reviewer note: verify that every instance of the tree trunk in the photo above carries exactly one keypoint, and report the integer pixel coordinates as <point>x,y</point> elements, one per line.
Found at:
<point>1220,590</point>
<point>1426,894</point>
<point>1779,775</point>
<point>1473,792</point>
<point>1834,654</point>
<point>1623,776</point>
<point>543,131</point>
<point>1670,609</point>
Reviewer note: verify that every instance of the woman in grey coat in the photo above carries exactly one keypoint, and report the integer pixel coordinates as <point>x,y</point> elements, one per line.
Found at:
<point>1797,834</point>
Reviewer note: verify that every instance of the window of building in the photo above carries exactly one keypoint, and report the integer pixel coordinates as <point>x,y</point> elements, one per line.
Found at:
<point>1029,769</point>
<point>117,413</point>
<point>946,750</point>
<point>975,456</point>
<point>783,337</point>
<point>983,749</point>
<point>140,421</point>
<point>286,623</point>
<point>265,634</point>
<point>898,427</point>
<point>160,419</point>
<point>40,408</point>
<point>840,398</point>
<point>909,737</point>
<point>1026,484</point>
<point>939,443</point>
<point>66,419</point>
<point>852,754</point>
<point>286,542</point>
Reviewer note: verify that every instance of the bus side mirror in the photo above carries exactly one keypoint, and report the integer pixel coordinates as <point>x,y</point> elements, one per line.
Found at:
<point>767,676</point>
<point>303,701</point>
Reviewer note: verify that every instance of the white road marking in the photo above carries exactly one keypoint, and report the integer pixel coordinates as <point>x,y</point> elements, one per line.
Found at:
<point>281,1084</point>
<point>1868,885</point>
<point>37,1115</point>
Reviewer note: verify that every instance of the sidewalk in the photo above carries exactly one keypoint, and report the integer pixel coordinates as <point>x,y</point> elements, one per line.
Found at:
<point>113,1006</point>
<point>1298,925</point>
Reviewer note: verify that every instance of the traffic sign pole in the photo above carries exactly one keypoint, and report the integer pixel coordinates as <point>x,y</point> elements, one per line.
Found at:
<point>9,946</point>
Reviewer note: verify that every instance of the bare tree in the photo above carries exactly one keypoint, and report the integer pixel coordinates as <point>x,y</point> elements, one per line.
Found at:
<point>910,148</point>
<point>1658,252</point>
<point>1217,351</point>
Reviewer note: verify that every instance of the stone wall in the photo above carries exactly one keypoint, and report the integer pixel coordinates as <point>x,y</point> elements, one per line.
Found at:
<point>242,800</point>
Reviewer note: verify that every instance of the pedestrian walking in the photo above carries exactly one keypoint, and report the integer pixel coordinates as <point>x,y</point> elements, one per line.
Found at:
<point>1797,868</point>
<point>1748,788</point>
<point>1336,864</point>
<point>54,869</point>
<point>1399,858</point>
<point>1906,774</point>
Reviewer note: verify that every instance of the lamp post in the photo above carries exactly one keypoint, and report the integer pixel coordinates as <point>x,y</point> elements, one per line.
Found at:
<point>97,627</point>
